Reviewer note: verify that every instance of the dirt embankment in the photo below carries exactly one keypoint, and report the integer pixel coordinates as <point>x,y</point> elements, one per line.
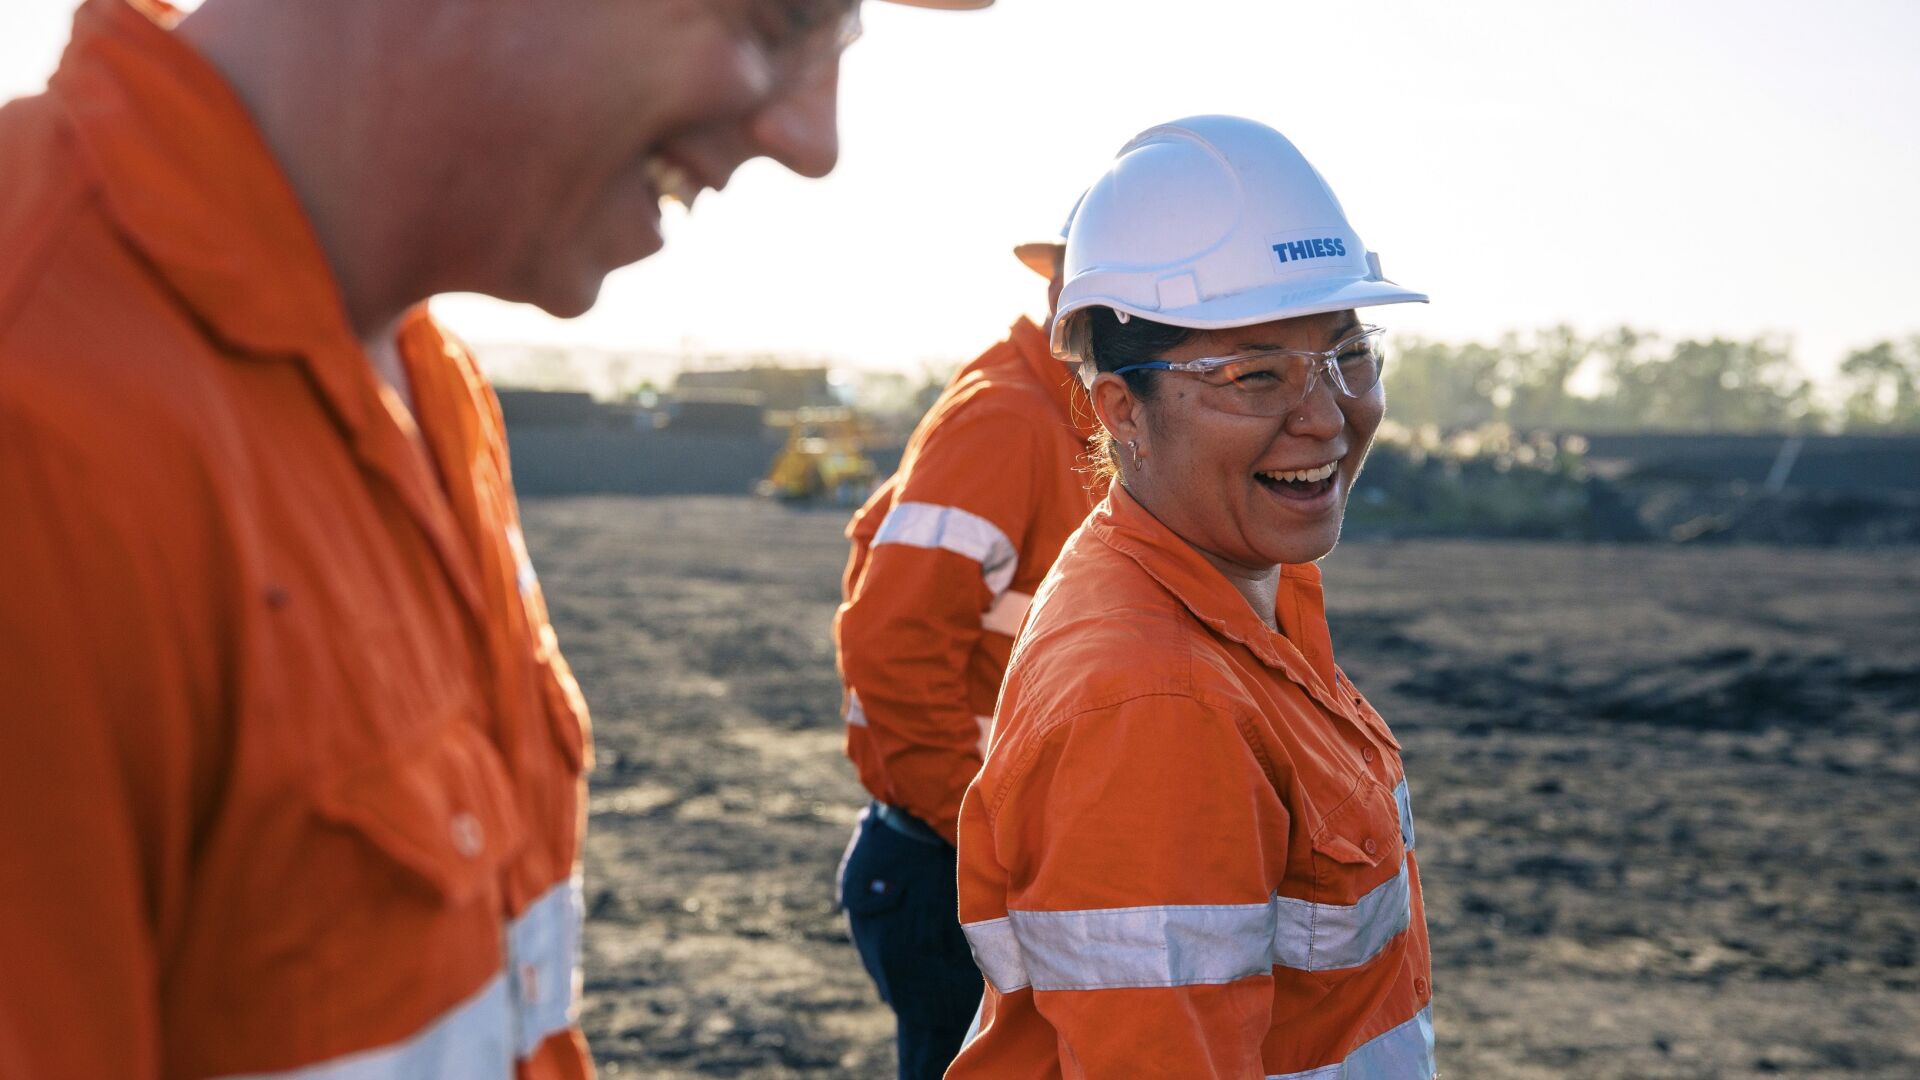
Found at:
<point>1665,796</point>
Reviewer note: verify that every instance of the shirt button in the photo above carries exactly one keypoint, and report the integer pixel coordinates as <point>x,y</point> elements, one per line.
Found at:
<point>1420,987</point>
<point>1372,848</point>
<point>468,836</point>
<point>1367,753</point>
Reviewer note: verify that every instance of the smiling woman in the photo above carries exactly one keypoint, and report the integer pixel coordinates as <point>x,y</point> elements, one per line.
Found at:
<point>1254,451</point>
<point>1189,851</point>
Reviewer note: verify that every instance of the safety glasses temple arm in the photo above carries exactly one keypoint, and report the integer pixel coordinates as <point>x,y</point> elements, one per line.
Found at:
<point>1208,363</point>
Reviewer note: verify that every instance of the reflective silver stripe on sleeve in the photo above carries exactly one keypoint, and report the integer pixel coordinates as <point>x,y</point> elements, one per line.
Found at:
<point>996,953</point>
<point>926,525</point>
<point>1405,802</point>
<point>855,714</point>
<point>472,1039</point>
<point>1186,945</point>
<point>543,964</point>
<point>1401,1053</point>
<point>1005,614</point>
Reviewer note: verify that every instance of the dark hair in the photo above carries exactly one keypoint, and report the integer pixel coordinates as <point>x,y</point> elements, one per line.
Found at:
<point>1103,343</point>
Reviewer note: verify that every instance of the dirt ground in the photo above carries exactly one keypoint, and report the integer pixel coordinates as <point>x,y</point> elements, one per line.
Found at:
<point>1666,798</point>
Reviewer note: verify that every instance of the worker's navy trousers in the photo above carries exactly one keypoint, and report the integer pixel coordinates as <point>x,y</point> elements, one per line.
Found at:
<point>897,885</point>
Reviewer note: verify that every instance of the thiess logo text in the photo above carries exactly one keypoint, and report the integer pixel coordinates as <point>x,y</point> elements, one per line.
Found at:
<point>1320,247</point>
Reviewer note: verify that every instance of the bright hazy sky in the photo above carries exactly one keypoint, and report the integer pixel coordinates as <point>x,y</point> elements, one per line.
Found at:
<point>1733,168</point>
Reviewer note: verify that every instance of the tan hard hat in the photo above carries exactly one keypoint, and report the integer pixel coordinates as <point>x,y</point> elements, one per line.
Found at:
<point>1039,256</point>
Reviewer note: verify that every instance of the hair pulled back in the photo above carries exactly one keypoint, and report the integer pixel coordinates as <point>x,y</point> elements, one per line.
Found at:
<point>1099,341</point>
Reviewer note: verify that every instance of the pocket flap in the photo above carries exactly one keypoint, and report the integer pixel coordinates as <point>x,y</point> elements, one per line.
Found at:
<point>441,808</point>
<point>1342,850</point>
<point>872,877</point>
<point>1363,830</point>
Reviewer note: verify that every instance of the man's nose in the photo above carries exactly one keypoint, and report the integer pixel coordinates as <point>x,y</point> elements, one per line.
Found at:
<point>801,127</point>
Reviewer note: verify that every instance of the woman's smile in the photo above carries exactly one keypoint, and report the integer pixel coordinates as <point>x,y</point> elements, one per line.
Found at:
<point>1304,491</point>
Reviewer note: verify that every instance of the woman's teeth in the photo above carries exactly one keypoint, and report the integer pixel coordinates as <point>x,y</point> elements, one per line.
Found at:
<point>1303,476</point>
<point>672,182</point>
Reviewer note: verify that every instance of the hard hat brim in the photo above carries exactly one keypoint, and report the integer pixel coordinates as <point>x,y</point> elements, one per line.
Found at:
<point>1039,256</point>
<point>1250,308</point>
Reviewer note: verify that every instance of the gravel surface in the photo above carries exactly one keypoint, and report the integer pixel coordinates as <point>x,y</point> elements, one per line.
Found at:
<point>1666,797</point>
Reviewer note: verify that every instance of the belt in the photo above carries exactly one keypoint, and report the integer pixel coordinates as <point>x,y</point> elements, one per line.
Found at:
<point>906,824</point>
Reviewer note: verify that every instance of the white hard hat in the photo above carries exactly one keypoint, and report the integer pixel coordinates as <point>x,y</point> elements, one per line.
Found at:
<point>1215,221</point>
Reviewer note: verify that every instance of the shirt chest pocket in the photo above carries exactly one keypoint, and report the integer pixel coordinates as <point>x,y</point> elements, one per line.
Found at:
<point>439,812</point>
<point>1361,896</point>
<point>392,867</point>
<point>371,894</point>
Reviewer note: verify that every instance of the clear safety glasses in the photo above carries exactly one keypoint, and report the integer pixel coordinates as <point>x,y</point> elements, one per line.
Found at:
<point>801,39</point>
<point>1274,382</point>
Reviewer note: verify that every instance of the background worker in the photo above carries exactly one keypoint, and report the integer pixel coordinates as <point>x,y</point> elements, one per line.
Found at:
<point>946,556</point>
<point>1190,850</point>
<point>290,766</point>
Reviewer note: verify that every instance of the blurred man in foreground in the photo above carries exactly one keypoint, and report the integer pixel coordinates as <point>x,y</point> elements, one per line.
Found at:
<point>290,766</point>
<point>946,556</point>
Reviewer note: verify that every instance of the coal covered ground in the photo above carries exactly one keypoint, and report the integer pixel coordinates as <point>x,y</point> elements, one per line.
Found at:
<point>1668,799</point>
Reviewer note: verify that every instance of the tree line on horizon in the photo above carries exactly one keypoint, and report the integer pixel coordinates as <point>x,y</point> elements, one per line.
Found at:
<point>1630,380</point>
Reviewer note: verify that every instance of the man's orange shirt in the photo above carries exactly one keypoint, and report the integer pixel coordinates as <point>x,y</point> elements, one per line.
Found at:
<point>289,761</point>
<point>945,559</point>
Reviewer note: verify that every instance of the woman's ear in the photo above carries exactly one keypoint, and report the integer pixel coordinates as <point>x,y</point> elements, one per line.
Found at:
<point>1117,408</point>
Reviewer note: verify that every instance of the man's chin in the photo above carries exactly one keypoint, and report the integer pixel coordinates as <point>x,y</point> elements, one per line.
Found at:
<point>562,300</point>
<point>571,307</point>
<point>565,280</point>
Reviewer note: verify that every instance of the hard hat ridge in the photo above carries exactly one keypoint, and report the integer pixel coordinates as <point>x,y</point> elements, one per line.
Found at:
<point>1210,222</point>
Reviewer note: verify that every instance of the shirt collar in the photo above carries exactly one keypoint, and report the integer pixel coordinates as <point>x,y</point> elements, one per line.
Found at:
<point>1030,341</point>
<point>1301,649</point>
<point>186,175</point>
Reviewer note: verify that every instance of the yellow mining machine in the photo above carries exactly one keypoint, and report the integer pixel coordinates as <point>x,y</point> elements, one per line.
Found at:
<point>825,459</point>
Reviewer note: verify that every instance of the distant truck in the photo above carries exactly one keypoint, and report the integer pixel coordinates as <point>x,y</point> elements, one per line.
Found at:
<point>825,459</point>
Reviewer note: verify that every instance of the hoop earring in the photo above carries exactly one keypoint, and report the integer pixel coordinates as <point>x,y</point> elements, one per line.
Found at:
<point>1133,451</point>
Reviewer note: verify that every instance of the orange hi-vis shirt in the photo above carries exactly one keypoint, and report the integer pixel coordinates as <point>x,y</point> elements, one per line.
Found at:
<point>1190,852</point>
<point>290,764</point>
<point>946,555</point>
